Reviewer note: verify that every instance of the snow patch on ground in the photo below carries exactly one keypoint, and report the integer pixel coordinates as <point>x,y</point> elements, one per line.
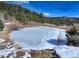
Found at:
<point>65,51</point>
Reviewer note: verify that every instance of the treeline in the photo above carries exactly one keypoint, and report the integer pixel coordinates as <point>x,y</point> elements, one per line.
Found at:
<point>24,15</point>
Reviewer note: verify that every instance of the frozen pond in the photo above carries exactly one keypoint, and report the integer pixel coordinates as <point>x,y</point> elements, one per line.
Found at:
<point>40,37</point>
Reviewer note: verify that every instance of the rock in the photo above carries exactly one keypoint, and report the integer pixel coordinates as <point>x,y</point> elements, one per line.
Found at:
<point>22,54</point>
<point>1,40</point>
<point>41,54</point>
<point>2,46</point>
<point>17,45</point>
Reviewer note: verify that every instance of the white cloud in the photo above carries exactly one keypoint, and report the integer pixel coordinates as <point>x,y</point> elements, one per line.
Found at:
<point>46,14</point>
<point>18,2</point>
<point>22,2</point>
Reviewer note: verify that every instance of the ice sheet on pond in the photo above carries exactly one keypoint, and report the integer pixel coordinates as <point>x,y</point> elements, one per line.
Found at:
<point>36,37</point>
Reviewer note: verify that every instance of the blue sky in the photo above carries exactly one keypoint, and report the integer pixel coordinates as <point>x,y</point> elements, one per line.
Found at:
<point>52,8</point>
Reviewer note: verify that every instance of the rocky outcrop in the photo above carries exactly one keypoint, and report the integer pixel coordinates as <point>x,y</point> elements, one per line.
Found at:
<point>12,49</point>
<point>43,53</point>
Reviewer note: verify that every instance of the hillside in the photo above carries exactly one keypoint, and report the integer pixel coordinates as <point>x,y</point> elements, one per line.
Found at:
<point>24,15</point>
<point>19,13</point>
